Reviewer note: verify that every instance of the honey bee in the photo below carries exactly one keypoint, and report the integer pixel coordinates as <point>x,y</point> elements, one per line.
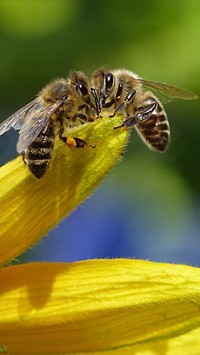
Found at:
<point>123,91</point>
<point>62,103</point>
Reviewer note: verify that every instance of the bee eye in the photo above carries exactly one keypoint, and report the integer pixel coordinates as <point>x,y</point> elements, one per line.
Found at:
<point>108,81</point>
<point>82,88</point>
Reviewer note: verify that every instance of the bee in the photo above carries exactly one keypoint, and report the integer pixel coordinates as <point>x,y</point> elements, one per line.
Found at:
<point>123,91</point>
<point>62,103</point>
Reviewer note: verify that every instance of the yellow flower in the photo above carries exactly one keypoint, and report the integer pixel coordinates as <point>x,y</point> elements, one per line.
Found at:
<point>91,307</point>
<point>31,207</point>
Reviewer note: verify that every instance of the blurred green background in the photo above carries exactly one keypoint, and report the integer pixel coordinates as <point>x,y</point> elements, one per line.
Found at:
<point>149,206</point>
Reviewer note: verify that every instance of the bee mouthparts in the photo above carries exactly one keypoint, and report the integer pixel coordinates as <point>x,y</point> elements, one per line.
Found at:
<point>97,101</point>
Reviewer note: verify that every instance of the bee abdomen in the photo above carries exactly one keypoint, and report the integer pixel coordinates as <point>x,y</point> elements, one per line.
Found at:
<point>155,131</point>
<point>38,155</point>
<point>38,167</point>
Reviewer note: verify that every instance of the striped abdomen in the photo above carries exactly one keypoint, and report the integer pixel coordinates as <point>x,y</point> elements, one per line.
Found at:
<point>155,131</point>
<point>39,153</point>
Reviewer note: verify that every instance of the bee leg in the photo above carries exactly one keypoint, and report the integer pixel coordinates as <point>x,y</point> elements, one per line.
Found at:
<point>126,102</point>
<point>80,108</point>
<point>93,107</point>
<point>87,116</point>
<point>72,141</point>
<point>87,112</point>
<point>23,157</point>
<point>75,142</point>
<point>108,104</point>
<point>144,114</point>
<point>82,117</point>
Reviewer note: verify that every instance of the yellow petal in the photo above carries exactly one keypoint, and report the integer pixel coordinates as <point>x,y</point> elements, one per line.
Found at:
<point>29,208</point>
<point>187,344</point>
<point>97,306</point>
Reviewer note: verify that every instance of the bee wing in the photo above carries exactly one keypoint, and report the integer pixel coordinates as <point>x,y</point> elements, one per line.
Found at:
<point>17,118</point>
<point>169,90</point>
<point>35,120</point>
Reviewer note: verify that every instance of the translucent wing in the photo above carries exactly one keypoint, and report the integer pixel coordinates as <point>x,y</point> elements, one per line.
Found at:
<point>36,119</point>
<point>17,118</point>
<point>169,90</point>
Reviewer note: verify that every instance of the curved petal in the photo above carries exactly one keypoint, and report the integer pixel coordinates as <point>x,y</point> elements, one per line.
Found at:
<point>29,208</point>
<point>122,306</point>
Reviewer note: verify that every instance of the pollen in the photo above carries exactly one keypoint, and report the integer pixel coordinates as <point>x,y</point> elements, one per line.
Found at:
<point>71,142</point>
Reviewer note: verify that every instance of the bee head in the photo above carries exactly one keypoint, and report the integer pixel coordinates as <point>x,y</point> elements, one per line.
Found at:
<point>102,84</point>
<point>80,83</point>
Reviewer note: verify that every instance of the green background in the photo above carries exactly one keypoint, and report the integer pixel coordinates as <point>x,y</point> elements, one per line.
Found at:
<point>149,206</point>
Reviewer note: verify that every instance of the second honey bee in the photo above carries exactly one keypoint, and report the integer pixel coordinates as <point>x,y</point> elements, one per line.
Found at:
<point>62,103</point>
<point>123,91</point>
